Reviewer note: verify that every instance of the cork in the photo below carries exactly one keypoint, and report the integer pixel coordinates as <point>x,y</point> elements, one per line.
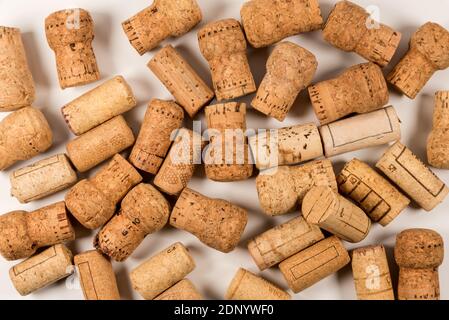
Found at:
<point>269,21</point>
<point>247,286</point>
<point>217,223</point>
<point>96,276</point>
<point>162,118</point>
<point>281,242</point>
<point>438,145</point>
<point>419,253</point>
<point>380,200</point>
<point>181,80</point>
<point>70,34</point>
<point>42,270</point>
<point>144,211</point>
<point>99,144</point>
<point>227,157</point>
<point>223,45</point>
<point>183,290</point>
<point>108,100</point>
<point>372,274</point>
<point>93,202</point>
<point>404,168</point>
<point>428,53</point>
<point>42,178</point>
<point>162,271</point>
<point>16,80</point>
<point>24,134</point>
<point>360,89</point>
<point>281,189</point>
<point>163,19</point>
<point>315,263</point>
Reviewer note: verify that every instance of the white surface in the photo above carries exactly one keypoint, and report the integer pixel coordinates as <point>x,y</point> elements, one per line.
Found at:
<point>116,56</point>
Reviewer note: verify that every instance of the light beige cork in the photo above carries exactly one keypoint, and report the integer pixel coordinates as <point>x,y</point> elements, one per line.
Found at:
<point>183,290</point>
<point>93,202</point>
<point>223,45</point>
<point>438,141</point>
<point>70,34</point>
<point>428,53</point>
<point>404,168</point>
<point>217,223</point>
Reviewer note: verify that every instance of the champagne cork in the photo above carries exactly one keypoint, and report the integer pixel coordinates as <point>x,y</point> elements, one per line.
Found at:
<point>290,69</point>
<point>70,34</point>
<point>183,290</point>
<point>178,76</point>
<point>428,53</point>
<point>438,142</point>
<point>162,118</point>
<point>99,105</point>
<point>217,223</point>
<point>404,168</point>
<point>143,211</point>
<point>161,20</point>
<point>93,202</point>
<point>247,286</point>
<point>99,144</point>
<point>313,264</point>
<point>223,45</point>
<point>360,89</point>
<point>381,201</point>
<point>419,253</point>
<point>279,243</point>
<point>269,21</point>
<point>42,179</point>
<point>24,134</point>
<point>162,271</point>
<point>16,80</point>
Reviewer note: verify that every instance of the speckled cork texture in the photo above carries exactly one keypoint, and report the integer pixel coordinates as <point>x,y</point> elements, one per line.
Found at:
<point>438,141</point>
<point>183,290</point>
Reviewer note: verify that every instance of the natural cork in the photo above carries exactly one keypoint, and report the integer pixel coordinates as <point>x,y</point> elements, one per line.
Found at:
<point>183,290</point>
<point>438,142</point>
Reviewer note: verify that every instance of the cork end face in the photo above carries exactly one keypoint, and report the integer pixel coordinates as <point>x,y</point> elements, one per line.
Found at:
<point>318,204</point>
<point>235,283</point>
<point>438,148</point>
<point>256,255</point>
<point>432,40</point>
<point>184,15</point>
<point>15,241</point>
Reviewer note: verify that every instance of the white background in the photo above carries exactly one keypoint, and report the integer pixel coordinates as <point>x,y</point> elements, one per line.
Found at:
<point>115,56</point>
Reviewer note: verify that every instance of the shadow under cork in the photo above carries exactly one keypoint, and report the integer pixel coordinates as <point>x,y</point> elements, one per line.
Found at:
<point>407,31</point>
<point>123,281</point>
<point>61,133</point>
<point>34,59</point>
<point>104,23</point>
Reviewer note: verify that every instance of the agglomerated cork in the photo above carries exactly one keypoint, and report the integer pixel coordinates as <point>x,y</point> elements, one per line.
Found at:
<point>438,141</point>
<point>183,290</point>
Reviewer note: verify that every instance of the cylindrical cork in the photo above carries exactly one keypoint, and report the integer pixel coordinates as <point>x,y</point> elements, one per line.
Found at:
<point>70,34</point>
<point>223,45</point>
<point>99,105</point>
<point>183,290</point>
<point>438,142</point>
<point>283,241</point>
<point>162,271</point>
<point>217,223</point>
<point>360,89</point>
<point>404,168</point>
<point>162,118</point>
<point>428,53</point>
<point>144,210</point>
<point>93,202</point>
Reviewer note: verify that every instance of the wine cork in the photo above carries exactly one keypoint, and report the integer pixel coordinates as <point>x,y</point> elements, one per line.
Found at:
<point>162,118</point>
<point>93,202</point>
<point>279,243</point>
<point>428,53</point>
<point>269,21</point>
<point>281,189</point>
<point>99,144</point>
<point>183,290</point>
<point>99,105</point>
<point>372,274</point>
<point>70,34</point>
<point>161,20</point>
<point>438,142</point>
<point>96,276</point>
<point>419,253</point>
<point>223,45</point>
<point>143,211</point>
<point>42,270</point>
<point>247,286</point>
<point>217,223</point>
<point>404,168</point>
<point>42,179</point>
<point>381,201</point>
<point>16,80</point>
<point>290,69</point>
<point>162,271</point>
<point>313,264</point>
<point>178,76</point>
<point>360,89</point>
<point>24,134</point>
